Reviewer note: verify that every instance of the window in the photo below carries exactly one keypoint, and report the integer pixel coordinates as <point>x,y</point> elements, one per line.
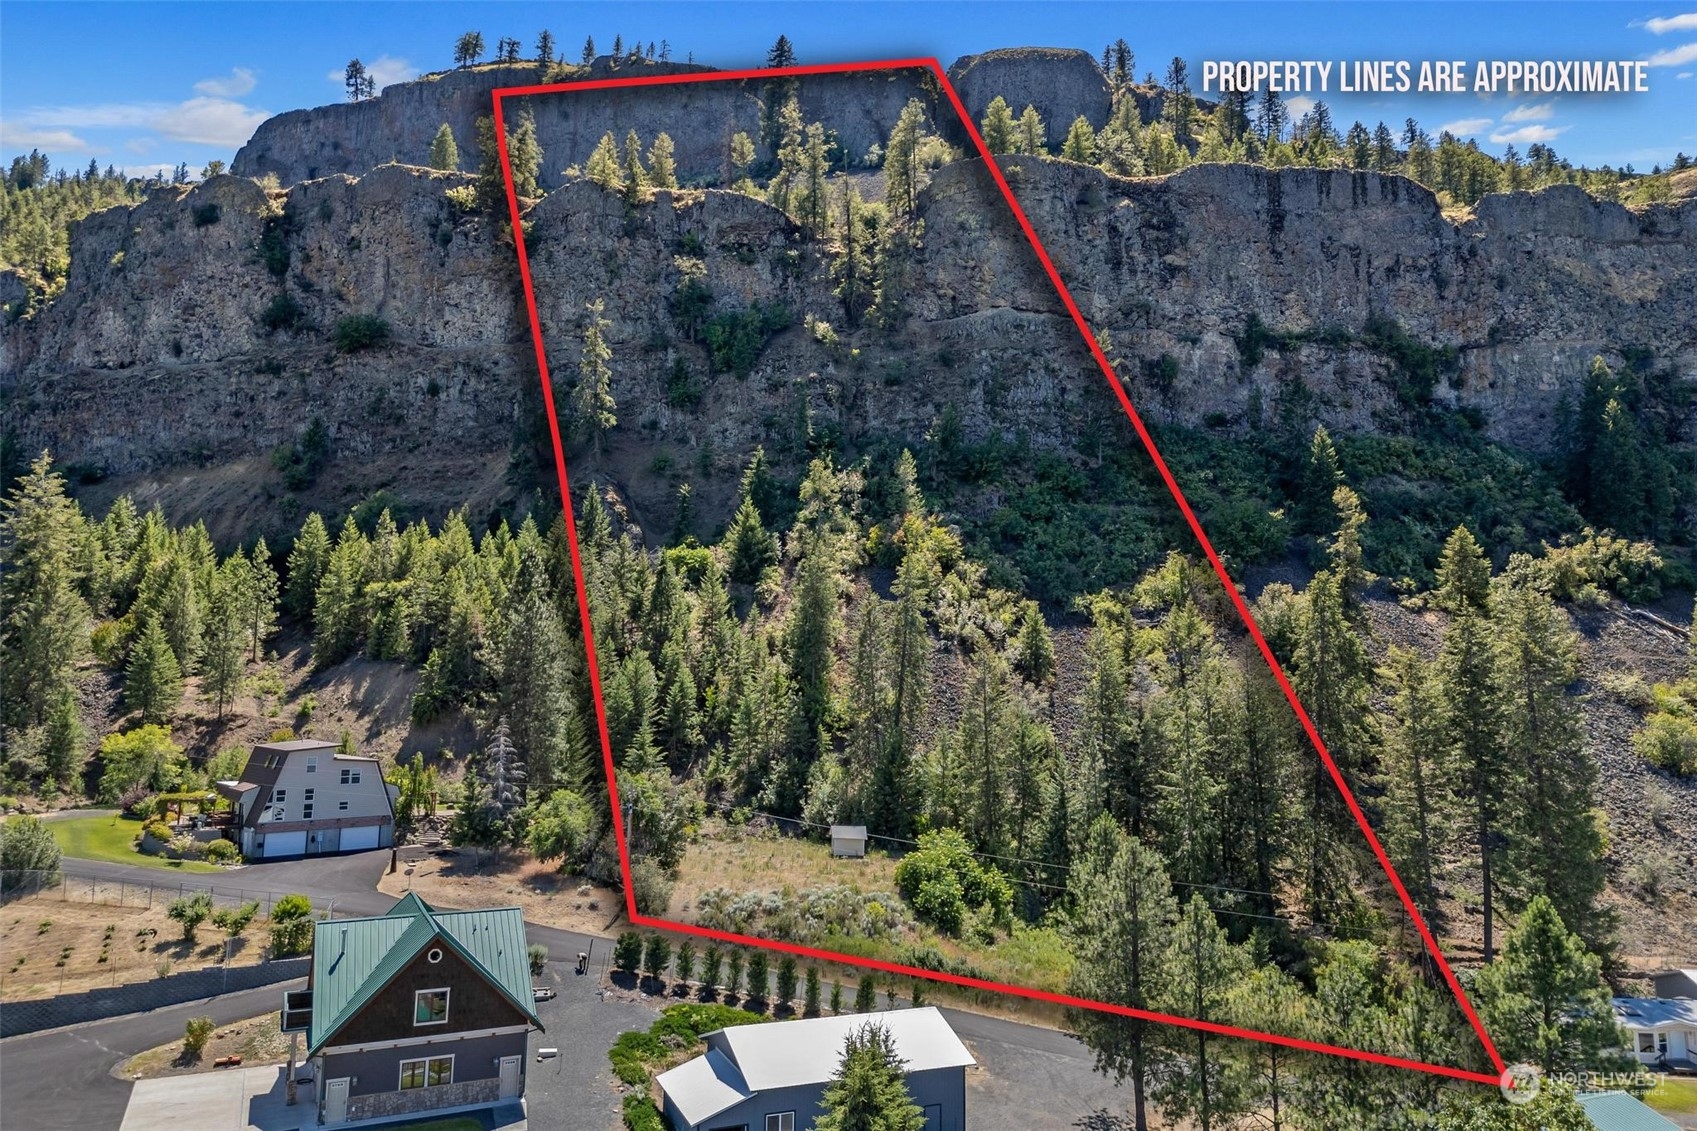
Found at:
<point>308,795</point>
<point>430,1007</point>
<point>276,812</point>
<point>350,777</point>
<point>312,765</point>
<point>430,1072</point>
<point>782,1121</point>
<point>278,796</point>
<point>342,806</point>
<point>306,811</point>
<point>1646,1042</point>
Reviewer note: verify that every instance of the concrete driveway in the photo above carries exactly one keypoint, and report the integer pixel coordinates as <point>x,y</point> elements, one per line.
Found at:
<point>243,1098</point>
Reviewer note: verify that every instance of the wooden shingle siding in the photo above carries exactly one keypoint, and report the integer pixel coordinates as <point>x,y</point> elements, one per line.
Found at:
<point>472,1002</point>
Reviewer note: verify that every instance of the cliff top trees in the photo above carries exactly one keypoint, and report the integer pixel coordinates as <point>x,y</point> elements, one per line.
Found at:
<point>468,49</point>
<point>444,153</point>
<point>359,82</point>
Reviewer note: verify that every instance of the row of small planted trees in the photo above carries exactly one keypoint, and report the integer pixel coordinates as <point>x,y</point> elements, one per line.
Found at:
<point>750,975</point>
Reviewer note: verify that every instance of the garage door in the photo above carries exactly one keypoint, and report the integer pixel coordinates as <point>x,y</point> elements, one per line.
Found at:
<point>364,836</point>
<point>285,844</point>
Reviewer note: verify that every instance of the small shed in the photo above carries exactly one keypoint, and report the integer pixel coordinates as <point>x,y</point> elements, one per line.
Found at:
<point>848,840</point>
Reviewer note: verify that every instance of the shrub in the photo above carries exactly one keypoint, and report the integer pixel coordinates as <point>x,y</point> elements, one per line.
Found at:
<point>291,925</point>
<point>865,995</point>
<point>640,1113</point>
<point>195,1035</point>
<point>712,963</point>
<point>759,975</point>
<point>538,956</point>
<point>223,852</point>
<point>360,332</point>
<point>627,952</point>
<point>943,880</point>
<point>1669,741</point>
<point>684,965</point>
<point>158,830</point>
<point>1632,570</point>
<point>186,847</point>
<point>29,856</point>
<point>233,920</point>
<point>786,980</point>
<point>651,886</point>
<point>190,911</point>
<point>283,312</point>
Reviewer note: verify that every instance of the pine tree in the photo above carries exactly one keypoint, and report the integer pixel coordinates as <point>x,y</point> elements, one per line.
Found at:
<point>902,171</point>
<point>533,681</point>
<point>810,1001</point>
<point>1545,1000</point>
<point>810,638</point>
<point>153,680</point>
<point>603,165</point>
<point>1122,930</point>
<point>869,1091</point>
<point>634,174</point>
<point>524,157</point>
<point>259,600</point>
<point>1080,144</point>
<point>1321,477</point>
<point>307,562</point>
<point>588,55</point>
<point>1202,969</point>
<point>226,635</point>
<point>356,81</point>
<point>339,614</point>
<point>1031,139</point>
<point>592,399</point>
<point>1271,116</point>
<point>1555,846</point>
<point>444,153</point>
<point>44,620</point>
<point>1034,647</point>
<point>502,773</point>
<point>998,126</point>
<point>1416,812</point>
<point>545,47</point>
<point>1464,575</point>
<point>812,203</point>
<point>752,549</point>
<point>1270,1001</point>
<point>741,156</point>
<point>986,736</point>
<point>468,48</point>
<point>662,168</point>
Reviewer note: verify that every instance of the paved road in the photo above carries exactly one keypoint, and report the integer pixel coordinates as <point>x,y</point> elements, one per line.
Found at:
<point>1030,1078</point>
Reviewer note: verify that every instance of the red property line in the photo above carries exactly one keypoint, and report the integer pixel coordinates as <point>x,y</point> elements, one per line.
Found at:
<point>936,70</point>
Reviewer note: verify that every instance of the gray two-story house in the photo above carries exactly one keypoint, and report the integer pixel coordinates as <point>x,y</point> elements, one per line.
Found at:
<point>772,1077</point>
<point>302,798</point>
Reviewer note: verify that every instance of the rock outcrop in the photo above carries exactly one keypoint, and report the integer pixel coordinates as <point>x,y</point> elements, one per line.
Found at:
<point>1223,289</point>
<point>1062,83</point>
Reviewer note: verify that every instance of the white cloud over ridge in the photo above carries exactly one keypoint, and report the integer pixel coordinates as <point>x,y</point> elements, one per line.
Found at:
<point>1528,135</point>
<point>1531,113</point>
<point>1686,21</point>
<point>19,136</point>
<point>385,70</point>
<point>240,81</point>
<point>1465,126</point>
<point>1674,56</point>
<point>204,120</point>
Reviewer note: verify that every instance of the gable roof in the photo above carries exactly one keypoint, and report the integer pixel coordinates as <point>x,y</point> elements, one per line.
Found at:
<point>1652,1012</point>
<point>1617,1111</point>
<point>704,1086</point>
<point>783,1054</point>
<point>354,959</point>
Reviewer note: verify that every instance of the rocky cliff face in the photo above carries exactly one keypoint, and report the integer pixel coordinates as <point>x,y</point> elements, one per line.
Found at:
<point>1222,288</point>
<point>400,123</point>
<point>1062,83</point>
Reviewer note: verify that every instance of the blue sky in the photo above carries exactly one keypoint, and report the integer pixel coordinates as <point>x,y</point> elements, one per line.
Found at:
<point>142,85</point>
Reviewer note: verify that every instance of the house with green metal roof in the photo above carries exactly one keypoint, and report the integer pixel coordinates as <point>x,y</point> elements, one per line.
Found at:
<point>416,1010</point>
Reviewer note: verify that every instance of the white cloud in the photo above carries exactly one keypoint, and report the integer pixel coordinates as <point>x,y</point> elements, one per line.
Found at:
<point>210,121</point>
<point>1464,126</point>
<point>1684,22</point>
<point>1683,75</point>
<point>1674,56</point>
<point>384,71</point>
<point>1531,113</point>
<point>15,136</point>
<point>240,81</point>
<point>1528,134</point>
<point>111,115</point>
<point>1299,105</point>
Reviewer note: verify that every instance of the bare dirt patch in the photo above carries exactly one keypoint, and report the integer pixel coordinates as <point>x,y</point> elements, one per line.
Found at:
<point>452,878</point>
<point>257,1040</point>
<point>102,945</point>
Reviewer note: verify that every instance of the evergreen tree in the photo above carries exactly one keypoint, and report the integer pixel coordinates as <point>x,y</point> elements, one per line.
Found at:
<point>1035,647</point>
<point>662,168</point>
<point>153,681</point>
<point>902,170</point>
<point>444,153</point>
<point>524,157</point>
<point>869,1091</point>
<point>603,165</point>
<point>752,549</point>
<point>533,697</point>
<point>1122,928</point>
<point>592,399</point>
<point>1271,116</point>
<point>1203,968</point>
<point>1555,846</point>
<point>545,47</point>
<point>635,177</point>
<point>1545,1000</point>
<point>741,156</point>
<point>1270,1001</point>
<point>986,736</point>
<point>998,126</point>
<point>1464,576</point>
<point>1080,144</point>
<point>226,636</point>
<point>588,55</point>
<point>1031,139</point>
<point>1416,813</point>
<point>44,619</point>
<point>1321,477</point>
<point>307,562</point>
<point>259,589</point>
<point>360,85</point>
<point>339,613</point>
<point>468,48</point>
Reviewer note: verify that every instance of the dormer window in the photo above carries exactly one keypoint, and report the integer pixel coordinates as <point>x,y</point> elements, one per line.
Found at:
<point>312,765</point>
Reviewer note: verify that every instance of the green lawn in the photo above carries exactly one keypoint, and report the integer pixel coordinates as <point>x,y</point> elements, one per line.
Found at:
<point>455,1123</point>
<point>1674,1096</point>
<point>111,838</point>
